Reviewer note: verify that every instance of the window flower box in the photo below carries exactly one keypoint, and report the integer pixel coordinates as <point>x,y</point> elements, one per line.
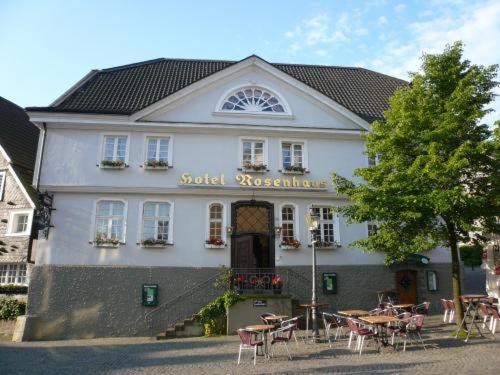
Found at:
<point>325,245</point>
<point>254,168</point>
<point>154,244</point>
<point>106,242</point>
<point>112,164</point>
<point>294,169</point>
<point>156,165</point>
<point>290,244</point>
<point>215,243</point>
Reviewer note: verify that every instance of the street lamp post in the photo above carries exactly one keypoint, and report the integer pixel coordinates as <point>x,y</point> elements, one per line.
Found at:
<point>313,223</point>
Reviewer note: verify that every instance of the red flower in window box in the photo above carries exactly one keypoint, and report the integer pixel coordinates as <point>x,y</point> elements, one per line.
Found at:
<point>239,278</point>
<point>485,254</point>
<point>497,270</point>
<point>215,241</point>
<point>277,281</point>
<point>292,243</point>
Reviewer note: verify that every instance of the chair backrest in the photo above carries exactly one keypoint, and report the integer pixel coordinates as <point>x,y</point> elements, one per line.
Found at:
<point>329,319</point>
<point>493,311</point>
<point>245,336</point>
<point>289,329</point>
<point>423,308</point>
<point>444,303</point>
<point>265,315</point>
<point>341,320</point>
<point>451,304</point>
<point>353,325</point>
<point>484,309</point>
<point>417,322</point>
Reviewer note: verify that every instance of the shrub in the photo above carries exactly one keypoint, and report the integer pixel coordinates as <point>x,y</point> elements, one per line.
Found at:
<point>10,308</point>
<point>13,289</point>
<point>213,315</point>
<point>471,255</point>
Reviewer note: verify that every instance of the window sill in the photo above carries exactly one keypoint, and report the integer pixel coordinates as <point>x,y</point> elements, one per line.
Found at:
<point>287,247</point>
<point>244,170</point>
<point>293,172</point>
<point>211,246</point>
<point>155,246</point>
<point>107,245</point>
<point>17,234</point>
<point>156,168</point>
<point>329,247</point>
<point>111,166</point>
<point>266,115</point>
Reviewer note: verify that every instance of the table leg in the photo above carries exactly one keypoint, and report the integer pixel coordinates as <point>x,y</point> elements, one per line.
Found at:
<point>463,319</point>
<point>307,324</point>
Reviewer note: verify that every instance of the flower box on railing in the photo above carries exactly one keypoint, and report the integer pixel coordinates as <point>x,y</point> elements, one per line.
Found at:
<point>156,165</point>
<point>294,169</point>
<point>215,243</point>
<point>154,244</point>
<point>290,244</point>
<point>324,245</point>
<point>112,164</point>
<point>106,242</point>
<point>254,168</point>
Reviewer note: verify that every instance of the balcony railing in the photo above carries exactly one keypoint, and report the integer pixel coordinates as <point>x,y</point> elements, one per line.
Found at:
<point>260,281</point>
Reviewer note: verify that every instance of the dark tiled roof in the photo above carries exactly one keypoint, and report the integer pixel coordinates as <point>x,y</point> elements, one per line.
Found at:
<point>130,88</point>
<point>19,139</point>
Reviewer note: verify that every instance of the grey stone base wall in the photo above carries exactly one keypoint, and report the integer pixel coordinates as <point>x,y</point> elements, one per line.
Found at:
<point>358,284</point>
<point>69,302</point>
<point>66,302</point>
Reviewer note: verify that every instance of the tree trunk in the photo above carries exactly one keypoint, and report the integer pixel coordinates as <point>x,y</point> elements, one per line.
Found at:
<point>455,271</point>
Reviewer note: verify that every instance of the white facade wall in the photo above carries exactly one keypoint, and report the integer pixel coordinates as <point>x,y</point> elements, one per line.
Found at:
<point>202,142</point>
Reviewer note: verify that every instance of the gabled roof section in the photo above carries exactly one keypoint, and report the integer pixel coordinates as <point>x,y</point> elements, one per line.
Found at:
<point>131,88</point>
<point>19,140</point>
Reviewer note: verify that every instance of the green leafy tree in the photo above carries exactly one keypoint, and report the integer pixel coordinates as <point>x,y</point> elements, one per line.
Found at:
<point>471,255</point>
<point>436,181</point>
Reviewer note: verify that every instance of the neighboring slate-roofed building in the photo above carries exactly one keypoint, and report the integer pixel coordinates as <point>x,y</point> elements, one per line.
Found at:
<point>18,147</point>
<point>162,171</point>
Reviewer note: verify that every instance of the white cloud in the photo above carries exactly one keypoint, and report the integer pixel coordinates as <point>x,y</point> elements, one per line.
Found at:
<point>381,21</point>
<point>321,52</point>
<point>400,8</point>
<point>321,30</point>
<point>477,26</point>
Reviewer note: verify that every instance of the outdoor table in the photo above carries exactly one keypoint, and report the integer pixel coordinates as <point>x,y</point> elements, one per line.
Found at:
<point>277,318</point>
<point>309,307</point>
<point>404,306</point>
<point>471,302</point>
<point>262,328</point>
<point>354,313</point>
<point>380,323</point>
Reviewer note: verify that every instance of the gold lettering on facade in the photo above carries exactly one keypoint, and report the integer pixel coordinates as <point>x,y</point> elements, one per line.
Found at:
<point>244,179</point>
<point>186,178</point>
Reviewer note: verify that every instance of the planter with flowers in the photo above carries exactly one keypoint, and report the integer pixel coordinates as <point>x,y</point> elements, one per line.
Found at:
<point>215,243</point>
<point>294,169</point>
<point>277,283</point>
<point>156,165</point>
<point>325,245</point>
<point>254,168</point>
<point>106,242</point>
<point>152,243</point>
<point>112,164</point>
<point>290,244</point>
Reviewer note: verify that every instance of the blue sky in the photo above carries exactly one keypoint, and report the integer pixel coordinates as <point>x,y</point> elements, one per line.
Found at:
<point>46,46</point>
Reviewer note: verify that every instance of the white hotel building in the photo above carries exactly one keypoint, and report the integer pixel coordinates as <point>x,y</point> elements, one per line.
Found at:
<point>150,162</point>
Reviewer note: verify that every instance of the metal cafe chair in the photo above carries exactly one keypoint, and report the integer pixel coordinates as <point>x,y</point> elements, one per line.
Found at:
<point>282,336</point>
<point>294,321</point>
<point>248,343</point>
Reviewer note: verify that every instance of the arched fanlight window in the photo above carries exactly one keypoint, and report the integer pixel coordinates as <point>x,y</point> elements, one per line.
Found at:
<point>253,99</point>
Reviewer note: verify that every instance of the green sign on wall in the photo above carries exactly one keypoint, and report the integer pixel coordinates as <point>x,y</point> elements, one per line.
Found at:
<point>150,294</point>
<point>329,282</point>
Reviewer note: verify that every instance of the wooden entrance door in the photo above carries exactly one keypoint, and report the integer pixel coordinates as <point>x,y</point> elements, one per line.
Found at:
<point>406,285</point>
<point>252,241</point>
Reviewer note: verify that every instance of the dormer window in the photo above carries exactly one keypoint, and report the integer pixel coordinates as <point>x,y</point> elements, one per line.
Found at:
<point>253,100</point>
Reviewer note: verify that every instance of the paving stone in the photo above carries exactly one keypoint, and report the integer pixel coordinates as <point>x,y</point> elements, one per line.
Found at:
<point>218,355</point>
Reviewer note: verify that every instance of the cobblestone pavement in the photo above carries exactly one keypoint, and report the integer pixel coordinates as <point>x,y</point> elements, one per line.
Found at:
<point>218,356</point>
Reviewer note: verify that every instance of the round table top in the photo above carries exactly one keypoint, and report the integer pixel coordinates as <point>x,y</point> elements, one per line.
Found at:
<point>404,305</point>
<point>276,317</point>
<point>353,312</point>
<point>260,327</point>
<point>380,319</point>
<point>313,305</point>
